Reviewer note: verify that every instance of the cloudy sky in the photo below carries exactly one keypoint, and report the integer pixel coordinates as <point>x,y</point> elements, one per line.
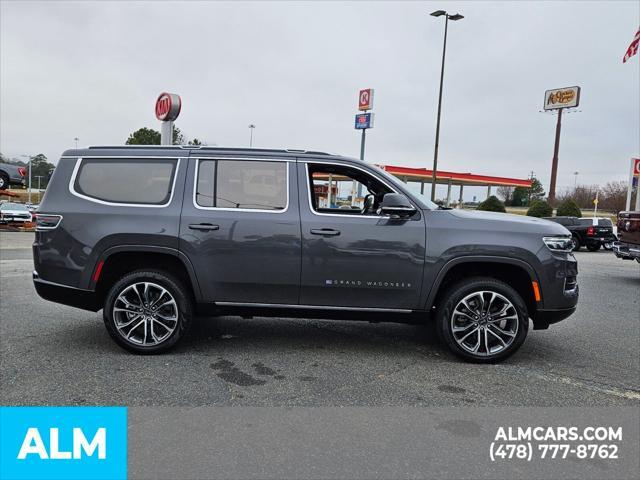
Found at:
<point>94,69</point>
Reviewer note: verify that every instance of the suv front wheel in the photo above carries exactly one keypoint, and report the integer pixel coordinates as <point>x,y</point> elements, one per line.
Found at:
<point>482,320</point>
<point>147,312</point>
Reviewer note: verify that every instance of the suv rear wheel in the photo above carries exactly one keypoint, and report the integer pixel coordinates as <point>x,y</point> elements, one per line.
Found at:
<point>593,247</point>
<point>4,181</point>
<point>576,243</point>
<point>482,320</point>
<point>148,312</point>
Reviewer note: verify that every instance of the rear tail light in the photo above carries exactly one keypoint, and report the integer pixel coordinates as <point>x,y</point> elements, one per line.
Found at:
<point>22,171</point>
<point>47,222</point>
<point>590,231</point>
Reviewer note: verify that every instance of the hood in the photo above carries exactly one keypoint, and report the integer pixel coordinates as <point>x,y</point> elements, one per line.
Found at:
<point>507,222</point>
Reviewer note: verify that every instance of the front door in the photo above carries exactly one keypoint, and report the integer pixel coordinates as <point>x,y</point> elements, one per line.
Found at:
<point>352,256</point>
<point>240,228</point>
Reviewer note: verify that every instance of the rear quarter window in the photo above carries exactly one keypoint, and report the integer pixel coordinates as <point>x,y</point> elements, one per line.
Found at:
<point>126,180</point>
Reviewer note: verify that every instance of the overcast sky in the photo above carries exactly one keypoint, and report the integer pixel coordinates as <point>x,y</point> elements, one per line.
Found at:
<point>94,69</point>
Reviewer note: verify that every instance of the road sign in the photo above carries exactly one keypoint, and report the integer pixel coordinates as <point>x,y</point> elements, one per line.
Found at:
<point>168,107</point>
<point>567,97</point>
<point>365,99</point>
<point>636,166</point>
<point>364,121</point>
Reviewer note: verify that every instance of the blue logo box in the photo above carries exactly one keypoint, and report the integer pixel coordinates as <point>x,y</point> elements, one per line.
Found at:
<point>63,443</point>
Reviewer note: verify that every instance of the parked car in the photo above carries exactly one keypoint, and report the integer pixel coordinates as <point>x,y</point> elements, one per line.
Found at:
<point>629,232</point>
<point>11,175</point>
<point>14,212</point>
<point>154,235</point>
<point>591,232</point>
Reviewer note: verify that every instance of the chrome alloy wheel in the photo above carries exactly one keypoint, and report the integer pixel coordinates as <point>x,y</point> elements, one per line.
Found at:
<point>145,314</point>
<point>484,323</point>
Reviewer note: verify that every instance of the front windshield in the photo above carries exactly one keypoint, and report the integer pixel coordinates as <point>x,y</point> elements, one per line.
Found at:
<point>421,198</point>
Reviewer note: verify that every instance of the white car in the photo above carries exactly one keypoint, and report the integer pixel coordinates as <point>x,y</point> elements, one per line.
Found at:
<point>14,212</point>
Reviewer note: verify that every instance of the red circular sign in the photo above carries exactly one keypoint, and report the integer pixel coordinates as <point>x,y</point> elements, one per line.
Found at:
<point>168,107</point>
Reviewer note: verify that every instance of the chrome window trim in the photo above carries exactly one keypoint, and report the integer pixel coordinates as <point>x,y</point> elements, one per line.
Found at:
<point>76,168</point>
<point>225,209</point>
<point>342,215</point>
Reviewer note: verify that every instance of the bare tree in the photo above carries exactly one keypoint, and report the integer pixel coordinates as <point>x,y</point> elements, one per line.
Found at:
<point>506,193</point>
<point>614,196</point>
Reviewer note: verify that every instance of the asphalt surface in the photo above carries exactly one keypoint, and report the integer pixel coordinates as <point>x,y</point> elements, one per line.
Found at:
<point>56,355</point>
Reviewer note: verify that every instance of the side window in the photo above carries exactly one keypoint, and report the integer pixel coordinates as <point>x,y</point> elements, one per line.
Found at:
<point>343,190</point>
<point>242,184</point>
<point>126,180</point>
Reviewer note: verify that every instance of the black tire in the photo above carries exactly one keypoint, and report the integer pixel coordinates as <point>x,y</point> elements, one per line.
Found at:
<point>175,290</point>
<point>4,181</point>
<point>593,247</point>
<point>608,246</point>
<point>461,290</point>
<point>576,243</point>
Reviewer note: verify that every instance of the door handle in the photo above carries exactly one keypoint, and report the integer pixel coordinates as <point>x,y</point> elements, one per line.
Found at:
<point>205,227</point>
<point>329,232</point>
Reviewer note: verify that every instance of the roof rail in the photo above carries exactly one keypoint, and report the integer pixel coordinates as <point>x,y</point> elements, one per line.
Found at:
<point>203,147</point>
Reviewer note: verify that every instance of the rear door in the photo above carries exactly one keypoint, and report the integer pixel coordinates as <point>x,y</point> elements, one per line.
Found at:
<point>240,228</point>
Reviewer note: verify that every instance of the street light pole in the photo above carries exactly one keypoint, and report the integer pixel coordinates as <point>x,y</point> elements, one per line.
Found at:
<point>448,17</point>
<point>251,128</point>
<point>76,139</point>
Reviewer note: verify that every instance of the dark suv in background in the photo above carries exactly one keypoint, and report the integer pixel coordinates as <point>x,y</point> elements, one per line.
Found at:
<point>154,235</point>
<point>11,175</point>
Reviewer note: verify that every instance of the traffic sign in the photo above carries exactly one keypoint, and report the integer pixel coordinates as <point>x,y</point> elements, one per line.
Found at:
<point>364,121</point>
<point>365,99</point>
<point>636,166</point>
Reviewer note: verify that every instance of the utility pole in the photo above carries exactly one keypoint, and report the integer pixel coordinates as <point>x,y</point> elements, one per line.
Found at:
<point>531,177</point>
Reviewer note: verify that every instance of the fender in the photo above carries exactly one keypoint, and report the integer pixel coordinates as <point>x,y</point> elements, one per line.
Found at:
<point>474,259</point>
<point>150,249</point>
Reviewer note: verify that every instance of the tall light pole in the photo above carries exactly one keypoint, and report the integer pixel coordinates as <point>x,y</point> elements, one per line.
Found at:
<point>251,128</point>
<point>457,16</point>
<point>575,180</point>
<point>76,139</point>
<point>29,188</point>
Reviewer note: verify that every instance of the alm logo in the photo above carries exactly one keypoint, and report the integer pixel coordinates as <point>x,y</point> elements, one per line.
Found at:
<point>63,443</point>
<point>34,445</point>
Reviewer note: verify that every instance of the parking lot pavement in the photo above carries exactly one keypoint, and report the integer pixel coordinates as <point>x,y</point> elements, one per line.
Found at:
<point>56,355</point>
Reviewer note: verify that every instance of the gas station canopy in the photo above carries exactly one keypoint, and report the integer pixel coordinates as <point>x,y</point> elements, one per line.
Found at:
<point>423,175</point>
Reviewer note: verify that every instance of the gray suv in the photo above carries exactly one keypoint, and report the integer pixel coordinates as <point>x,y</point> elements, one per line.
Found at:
<point>156,235</point>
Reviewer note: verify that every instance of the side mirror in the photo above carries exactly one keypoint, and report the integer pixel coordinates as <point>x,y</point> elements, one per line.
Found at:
<point>396,205</point>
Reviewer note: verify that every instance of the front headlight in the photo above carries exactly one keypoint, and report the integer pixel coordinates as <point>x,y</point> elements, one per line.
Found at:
<point>558,244</point>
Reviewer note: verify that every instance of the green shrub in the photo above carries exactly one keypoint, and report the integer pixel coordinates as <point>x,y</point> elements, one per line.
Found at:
<point>568,208</point>
<point>492,204</point>
<point>540,208</point>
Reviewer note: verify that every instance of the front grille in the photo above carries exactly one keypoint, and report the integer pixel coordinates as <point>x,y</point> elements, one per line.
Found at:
<point>570,283</point>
